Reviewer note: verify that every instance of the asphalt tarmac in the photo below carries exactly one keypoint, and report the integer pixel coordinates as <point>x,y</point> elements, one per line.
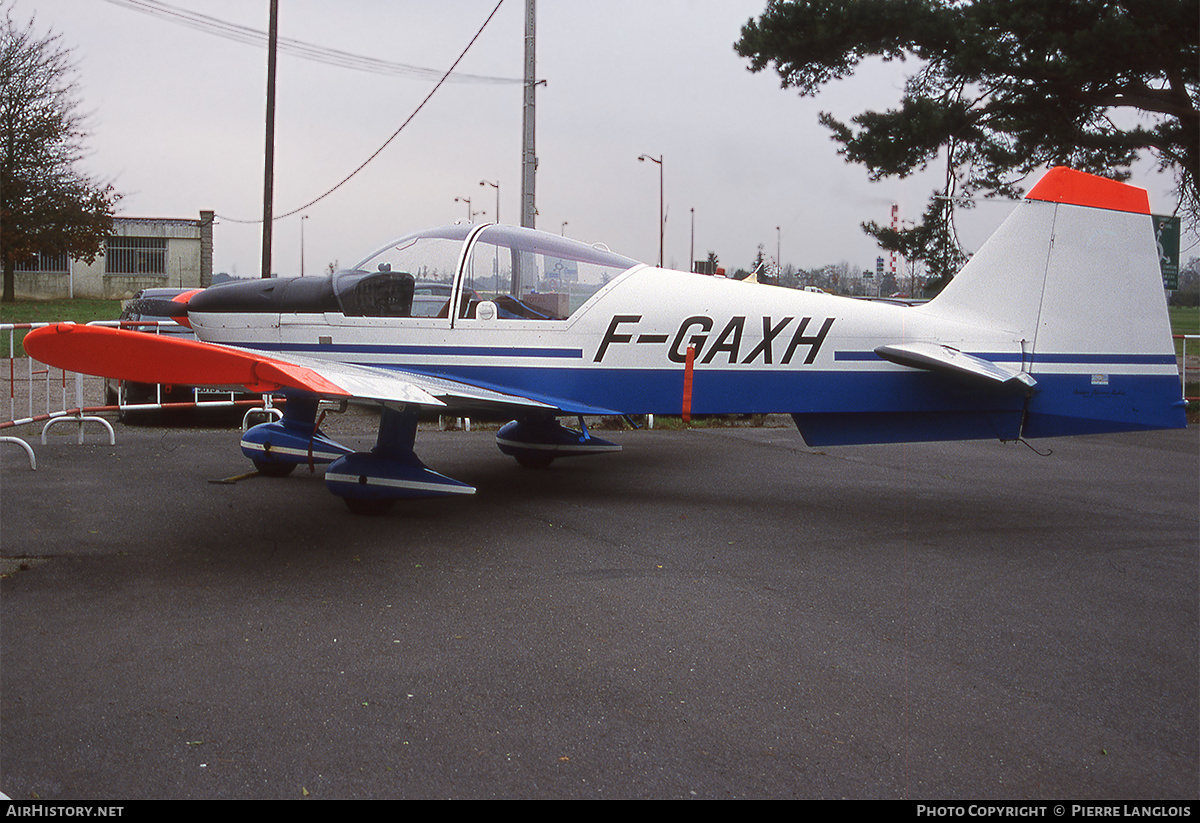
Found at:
<point>714,613</point>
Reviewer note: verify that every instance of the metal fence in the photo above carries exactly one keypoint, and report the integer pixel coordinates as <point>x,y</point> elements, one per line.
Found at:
<point>1189,365</point>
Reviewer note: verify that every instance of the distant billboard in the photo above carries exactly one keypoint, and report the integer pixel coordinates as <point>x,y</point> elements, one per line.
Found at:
<point>1166,235</point>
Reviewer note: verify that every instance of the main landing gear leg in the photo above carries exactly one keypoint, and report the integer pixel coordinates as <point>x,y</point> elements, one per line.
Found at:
<point>277,448</point>
<point>370,482</point>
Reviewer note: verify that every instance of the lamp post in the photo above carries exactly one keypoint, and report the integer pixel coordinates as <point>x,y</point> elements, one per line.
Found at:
<point>466,200</point>
<point>495,186</point>
<point>692,247</point>
<point>661,216</point>
<point>563,231</point>
<point>302,219</point>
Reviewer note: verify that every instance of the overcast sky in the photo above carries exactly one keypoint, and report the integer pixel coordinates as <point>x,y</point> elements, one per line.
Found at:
<point>177,125</point>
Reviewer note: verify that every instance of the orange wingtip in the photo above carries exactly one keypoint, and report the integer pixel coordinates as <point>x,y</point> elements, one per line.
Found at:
<point>154,358</point>
<point>1063,185</point>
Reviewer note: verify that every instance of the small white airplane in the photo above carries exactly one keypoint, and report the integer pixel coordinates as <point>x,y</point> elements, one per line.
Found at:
<point>1057,326</point>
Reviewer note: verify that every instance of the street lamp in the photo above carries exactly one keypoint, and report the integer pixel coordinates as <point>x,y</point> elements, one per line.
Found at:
<point>563,230</point>
<point>466,200</point>
<point>495,186</point>
<point>692,247</point>
<point>661,217</point>
<point>302,219</point>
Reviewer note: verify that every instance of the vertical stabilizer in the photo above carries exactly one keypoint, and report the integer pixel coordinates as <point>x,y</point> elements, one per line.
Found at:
<point>1073,273</point>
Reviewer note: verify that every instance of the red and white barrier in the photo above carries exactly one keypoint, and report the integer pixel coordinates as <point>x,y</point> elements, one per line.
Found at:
<point>1189,365</point>
<point>36,393</point>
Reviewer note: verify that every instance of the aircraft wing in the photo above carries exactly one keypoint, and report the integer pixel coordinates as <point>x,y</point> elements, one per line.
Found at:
<point>150,358</point>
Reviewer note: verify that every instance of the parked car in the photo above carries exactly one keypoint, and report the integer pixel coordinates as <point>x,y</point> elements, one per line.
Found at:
<point>127,393</point>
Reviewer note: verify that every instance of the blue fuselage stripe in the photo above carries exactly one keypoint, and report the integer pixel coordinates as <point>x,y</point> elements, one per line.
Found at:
<point>1004,357</point>
<point>660,391</point>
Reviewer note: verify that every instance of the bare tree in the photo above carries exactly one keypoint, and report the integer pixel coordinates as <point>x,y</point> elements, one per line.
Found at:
<point>46,203</point>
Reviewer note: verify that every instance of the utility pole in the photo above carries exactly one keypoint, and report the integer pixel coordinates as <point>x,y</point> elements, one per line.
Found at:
<point>269,152</point>
<point>528,152</point>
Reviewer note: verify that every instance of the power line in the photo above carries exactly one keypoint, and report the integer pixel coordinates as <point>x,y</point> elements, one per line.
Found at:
<point>408,120</point>
<point>298,48</point>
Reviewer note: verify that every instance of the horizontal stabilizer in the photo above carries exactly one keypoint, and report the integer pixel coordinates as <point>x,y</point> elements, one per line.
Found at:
<point>947,360</point>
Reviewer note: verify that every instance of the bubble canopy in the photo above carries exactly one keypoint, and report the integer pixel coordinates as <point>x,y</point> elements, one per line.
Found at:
<point>519,273</point>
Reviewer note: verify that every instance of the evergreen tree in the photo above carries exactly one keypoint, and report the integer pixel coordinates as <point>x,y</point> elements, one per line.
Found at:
<point>1000,89</point>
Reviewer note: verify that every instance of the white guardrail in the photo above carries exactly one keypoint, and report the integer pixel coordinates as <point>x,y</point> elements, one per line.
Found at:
<point>1189,369</point>
<point>42,394</point>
